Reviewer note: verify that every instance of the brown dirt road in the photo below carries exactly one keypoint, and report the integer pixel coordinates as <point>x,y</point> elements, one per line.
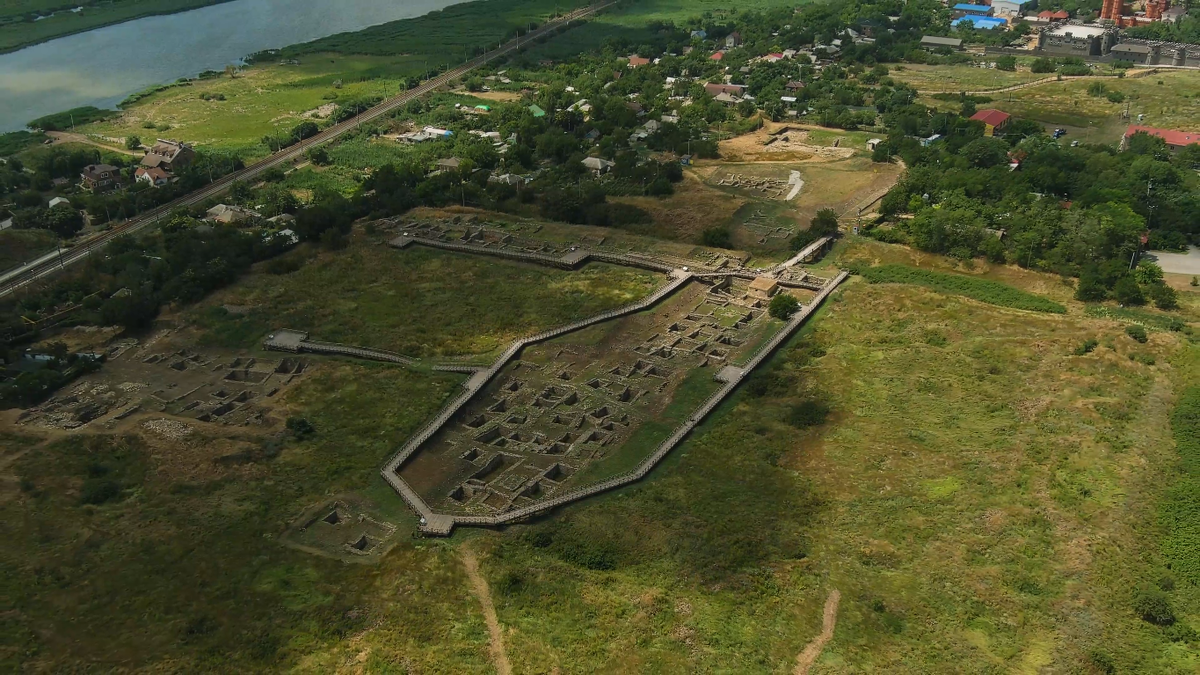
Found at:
<point>67,137</point>
<point>479,587</point>
<point>828,622</point>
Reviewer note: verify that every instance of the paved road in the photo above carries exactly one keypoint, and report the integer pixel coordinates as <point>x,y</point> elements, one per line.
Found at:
<point>84,249</point>
<point>1177,263</point>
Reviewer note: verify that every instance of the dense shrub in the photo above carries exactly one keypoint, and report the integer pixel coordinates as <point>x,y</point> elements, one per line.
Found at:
<point>983,290</point>
<point>807,414</point>
<point>1153,606</point>
<point>1137,333</point>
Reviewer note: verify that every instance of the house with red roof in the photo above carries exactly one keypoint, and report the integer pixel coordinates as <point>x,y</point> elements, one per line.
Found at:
<point>993,120</point>
<point>717,56</point>
<point>635,61</point>
<point>1174,139</point>
<point>1060,15</point>
<point>716,89</point>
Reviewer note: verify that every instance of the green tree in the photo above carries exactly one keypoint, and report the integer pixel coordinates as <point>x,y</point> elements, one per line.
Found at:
<point>1127,292</point>
<point>824,224</point>
<point>717,237</point>
<point>133,142</point>
<point>63,220</point>
<point>1091,286</point>
<point>783,306</point>
<point>1148,273</point>
<point>1164,296</point>
<point>1008,63</point>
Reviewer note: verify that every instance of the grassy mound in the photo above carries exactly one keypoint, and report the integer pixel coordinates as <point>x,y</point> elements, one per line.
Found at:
<point>982,290</point>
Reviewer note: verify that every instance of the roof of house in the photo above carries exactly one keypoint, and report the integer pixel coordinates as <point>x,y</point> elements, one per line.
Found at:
<point>537,111</point>
<point>597,163</point>
<point>980,22</point>
<point>764,284</point>
<point>1171,136</point>
<point>716,88</point>
<point>99,168</point>
<point>635,61</point>
<point>164,150</point>
<point>717,56</point>
<point>991,117</point>
<point>59,200</point>
<point>968,7</point>
<point>794,84</point>
<point>449,162</point>
<point>156,173</point>
<point>1060,14</point>
<point>941,41</point>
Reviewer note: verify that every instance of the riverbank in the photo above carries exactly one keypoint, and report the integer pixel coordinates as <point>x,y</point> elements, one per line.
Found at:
<point>17,33</point>
<point>65,73</point>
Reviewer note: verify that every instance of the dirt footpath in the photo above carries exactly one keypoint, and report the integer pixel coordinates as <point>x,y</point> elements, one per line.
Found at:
<point>828,622</point>
<point>479,587</point>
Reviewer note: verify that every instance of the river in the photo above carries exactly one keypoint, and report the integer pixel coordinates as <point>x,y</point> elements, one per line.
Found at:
<point>103,66</point>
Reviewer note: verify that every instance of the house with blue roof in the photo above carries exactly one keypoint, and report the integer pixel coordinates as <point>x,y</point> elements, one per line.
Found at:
<point>979,22</point>
<point>965,9</point>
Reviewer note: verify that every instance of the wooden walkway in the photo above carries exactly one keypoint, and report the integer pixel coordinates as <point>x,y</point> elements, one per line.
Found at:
<point>434,523</point>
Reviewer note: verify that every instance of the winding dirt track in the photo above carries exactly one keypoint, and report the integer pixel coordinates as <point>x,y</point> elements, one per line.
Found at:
<point>479,588</point>
<point>828,622</point>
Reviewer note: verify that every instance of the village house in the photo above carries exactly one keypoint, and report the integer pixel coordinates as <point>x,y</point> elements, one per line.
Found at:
<point>99,177</point>
<point>714,89</point>
<point>732,40</point>
<point>153,175</point>
<point>935,42</point>
<point>993,120</point>
<point>224,213</point>
<point>598,165</point>
<point>170,156</point>
<point>1175,140</point>
<point>635,61</point>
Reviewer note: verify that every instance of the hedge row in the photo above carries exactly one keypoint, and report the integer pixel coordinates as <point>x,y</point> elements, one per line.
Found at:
<point>982,290</point>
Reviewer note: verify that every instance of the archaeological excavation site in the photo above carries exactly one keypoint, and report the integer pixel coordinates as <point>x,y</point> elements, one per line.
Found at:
<point>579,409</point>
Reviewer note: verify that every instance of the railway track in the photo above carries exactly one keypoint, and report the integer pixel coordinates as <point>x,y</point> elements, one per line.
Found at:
<point>44,268</point>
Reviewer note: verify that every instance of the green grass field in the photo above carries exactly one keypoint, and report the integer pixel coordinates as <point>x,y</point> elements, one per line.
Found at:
<point>418,302</point>
<point>268,99</point>
<point>957,78</point>
<point>984,499</point>
<point>1166,99</point>
<point>18,246</point>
